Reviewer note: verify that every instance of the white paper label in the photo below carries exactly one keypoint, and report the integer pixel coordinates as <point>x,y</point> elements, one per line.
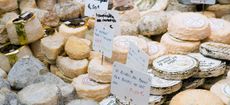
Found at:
<point>203,1</point>
<point>106,26</point>
<point>130,85</point>
<point>92,5</point>
<point>137,58</point>
<point>175,63</point>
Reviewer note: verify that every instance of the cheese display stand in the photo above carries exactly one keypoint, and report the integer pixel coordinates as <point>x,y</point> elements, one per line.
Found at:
<point>114,52</point>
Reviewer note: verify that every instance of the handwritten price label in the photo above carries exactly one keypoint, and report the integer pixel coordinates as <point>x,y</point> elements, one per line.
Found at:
<point>92,5</point>
<point>130,85</point>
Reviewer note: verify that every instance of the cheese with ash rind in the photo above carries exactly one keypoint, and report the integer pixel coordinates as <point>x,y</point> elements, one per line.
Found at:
<point>175,67</point>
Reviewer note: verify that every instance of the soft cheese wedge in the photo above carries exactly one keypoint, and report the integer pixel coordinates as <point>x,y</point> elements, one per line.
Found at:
<point>175,67</point>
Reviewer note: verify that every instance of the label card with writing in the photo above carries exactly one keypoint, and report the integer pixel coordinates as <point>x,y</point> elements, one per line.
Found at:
<point>106,27</point>
<point>130,85</point>
<point>92,5</point>
<point>203,1</point>
<point>137,58</point>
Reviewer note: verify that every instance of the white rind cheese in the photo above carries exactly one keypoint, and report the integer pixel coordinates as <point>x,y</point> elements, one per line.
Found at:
<point>220,31</point>
<point>70,31</point>
<point>163,87</point>
<point>100,72</point>
<point>192,83</point>
<point>88,89</point>
<point>177,46</point>
<point>215,50</point>
<point>175,67</point>
<point>208,67</point>
<point>133,15</point>
<point>128,28</point>
<point>189,26</point>
<point>72,68</point>
<point>196,97</point>
<point>222,90</point>
<point>155,50</point>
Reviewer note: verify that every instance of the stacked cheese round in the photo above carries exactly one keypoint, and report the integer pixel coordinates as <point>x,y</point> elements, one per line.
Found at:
<point>189,26</point>
<point>121,47</point>
<point>220,31</point>
<point>177,46</point>
<point>88,89</point>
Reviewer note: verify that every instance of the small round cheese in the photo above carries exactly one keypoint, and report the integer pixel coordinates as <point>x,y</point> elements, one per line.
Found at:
<point>189,26</point>
<point>208,67</point>
<point>155,50</point>
<point>77,48</point>
<point>121,47</point>
<point>175,67</point>
<point>72,68</point>
<point>222,90</point>
<point>176,46</point>
<point>220,31</point>
<point>219,10</point>
<point>70,31</point>
<point>132,15</point>
<point>196,97</point>
<point>162,87</point>
<point>100,72</point>
<point>89,89</point>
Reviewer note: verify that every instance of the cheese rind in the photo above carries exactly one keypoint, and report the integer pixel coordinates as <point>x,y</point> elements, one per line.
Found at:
<point>189,26</point>
<point>175,67</point>
<point>70,31</point>
<point>89,89</point>
<point>155,50</point>
<point>177,46</point>
<point>192,83</point>
<point>100,72</point>
<point>208,67</point>
<point>196,97</point>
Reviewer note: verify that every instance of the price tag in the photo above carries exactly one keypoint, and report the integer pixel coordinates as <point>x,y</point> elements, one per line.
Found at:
<point>137,58</point>
<point>203,1</point>
<point>92,5</point>
<point>106,26</point>
<point>130,85</point>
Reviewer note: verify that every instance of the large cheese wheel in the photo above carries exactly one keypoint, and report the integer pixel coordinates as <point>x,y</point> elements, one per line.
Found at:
<point>222,90</point>
<point>220,31</point>
<point>177,46</point>
<point>175,67</point>
<point>52,46</point>
<point>77,48</point>
<point>100,72</point>
<point>155,50</point>
<point>21,33</point>
<point>189,26</point>
<point>209,67</point>
<point>131,15</point>
<point>215,50</point>
<point>8,5</point>
<point>219,10</point>
<point>72,68</point>
<point>196,97</point>
<point>162,87</point>
<point>121,47</point>
<point>89,89</point>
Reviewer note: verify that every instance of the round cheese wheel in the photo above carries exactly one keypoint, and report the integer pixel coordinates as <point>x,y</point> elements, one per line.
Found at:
<point>196,97</point>
<point>219,10</point>
<point>54,69</point>
<point>222,90</point>
<point>100,72</point>
<point>220,31</point>
<point>151,6</point>
<point>121,47</point>
<point>175,67</point>
<point>89,89</point>
<point>72,31</point>
<point>192,83</point>
<point>72,68</point>
<point>128,28</point>
<point>77,48</point>
<point>189,26</point>
<point>131,15</point>
<point>208,67</point>
<point>215,50</point>
<point>163,87</point>
<point>155,50</point>
<point>52,46</point>
<point>177,46</point>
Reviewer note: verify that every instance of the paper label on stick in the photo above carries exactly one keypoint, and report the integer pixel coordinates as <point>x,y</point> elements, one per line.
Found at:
<point>92,5</point>
<point>137,58</point>
<point>203,1</point>
<point>106,26</point>
<point>130,85</point>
